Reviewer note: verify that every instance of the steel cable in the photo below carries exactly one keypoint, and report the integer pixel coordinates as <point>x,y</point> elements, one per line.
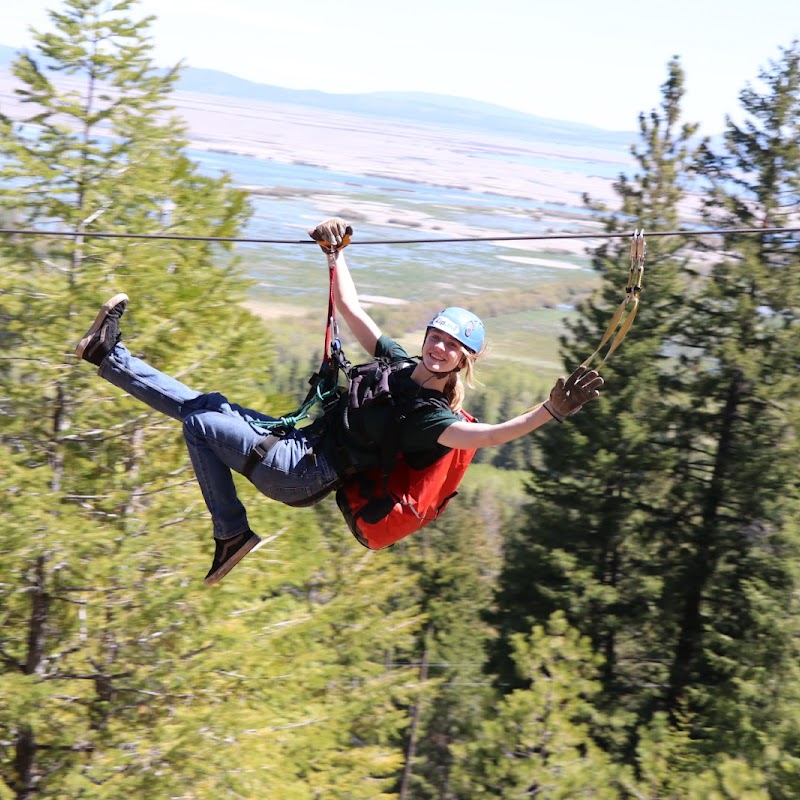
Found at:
<point>365,242</point>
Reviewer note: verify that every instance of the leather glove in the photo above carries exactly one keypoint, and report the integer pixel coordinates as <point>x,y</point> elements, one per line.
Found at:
<point>332,235</point>
<point>567,396</point>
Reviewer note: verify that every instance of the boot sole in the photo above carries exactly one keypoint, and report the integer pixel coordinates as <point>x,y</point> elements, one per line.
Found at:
<point>98,322</point>
<point>252,545</point>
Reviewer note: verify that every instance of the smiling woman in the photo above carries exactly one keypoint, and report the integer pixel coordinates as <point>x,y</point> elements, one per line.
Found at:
<point>395,409</point>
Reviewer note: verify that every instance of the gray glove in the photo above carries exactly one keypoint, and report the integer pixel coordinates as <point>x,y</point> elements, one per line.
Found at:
<point>567,396</point>
<point>332,235</point>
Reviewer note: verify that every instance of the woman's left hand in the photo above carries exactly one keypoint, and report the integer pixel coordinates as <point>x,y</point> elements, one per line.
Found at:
<point>570,394</point>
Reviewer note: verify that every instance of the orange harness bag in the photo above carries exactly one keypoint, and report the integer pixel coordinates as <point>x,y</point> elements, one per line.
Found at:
<point>382,507</point>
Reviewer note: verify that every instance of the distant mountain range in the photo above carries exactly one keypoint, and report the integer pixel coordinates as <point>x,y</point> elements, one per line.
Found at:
<point>422,107</point>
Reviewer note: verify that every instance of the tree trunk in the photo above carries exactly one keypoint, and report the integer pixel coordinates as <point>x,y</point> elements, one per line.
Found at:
<point>416,712</point>
<point>706,553</point>
<point>24,759</point>
<point>25,745</point>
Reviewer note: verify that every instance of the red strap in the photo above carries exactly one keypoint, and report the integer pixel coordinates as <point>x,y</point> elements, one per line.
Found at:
<point>331,329</point>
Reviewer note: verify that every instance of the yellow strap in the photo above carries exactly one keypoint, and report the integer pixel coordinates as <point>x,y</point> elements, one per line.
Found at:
<point>632,290</point>
<point>630,303</point>
<point>621,333</point>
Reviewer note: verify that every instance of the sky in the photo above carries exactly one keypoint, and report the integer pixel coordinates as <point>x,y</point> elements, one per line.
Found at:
<point>586,61</point>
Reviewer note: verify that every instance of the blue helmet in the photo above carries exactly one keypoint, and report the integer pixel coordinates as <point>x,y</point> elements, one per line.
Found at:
<point>462,325</point>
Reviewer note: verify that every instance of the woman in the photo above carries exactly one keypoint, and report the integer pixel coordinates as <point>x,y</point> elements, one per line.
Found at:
<point>306,464</point>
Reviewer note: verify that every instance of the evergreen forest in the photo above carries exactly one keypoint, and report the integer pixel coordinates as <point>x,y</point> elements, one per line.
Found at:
<point>609,610</point>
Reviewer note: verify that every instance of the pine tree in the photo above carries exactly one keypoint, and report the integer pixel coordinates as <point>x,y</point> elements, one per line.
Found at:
<point>735,596</point>
<point>455,562</point>
<point>666,537</point>
<point>672,765</point>
<point>355,617</point>
<point>539,742</point>
<point>100,626</point>
<point>586,545</point>
<point>121,674</point>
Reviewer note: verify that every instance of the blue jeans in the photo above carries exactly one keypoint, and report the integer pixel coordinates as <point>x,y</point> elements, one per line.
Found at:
<point>219,435</point>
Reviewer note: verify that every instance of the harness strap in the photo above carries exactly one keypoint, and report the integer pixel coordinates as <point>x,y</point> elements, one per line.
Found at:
<point>632,291</point>
<point>332,330</point>
<point>259,453</point>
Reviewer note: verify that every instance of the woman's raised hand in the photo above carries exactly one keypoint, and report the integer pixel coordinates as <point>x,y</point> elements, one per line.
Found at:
<point>332,235</point>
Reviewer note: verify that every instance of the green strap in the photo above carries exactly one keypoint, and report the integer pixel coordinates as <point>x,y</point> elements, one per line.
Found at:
<point>289,421</point>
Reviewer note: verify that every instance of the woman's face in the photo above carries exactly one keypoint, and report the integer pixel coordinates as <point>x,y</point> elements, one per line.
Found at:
<point>441,352</point>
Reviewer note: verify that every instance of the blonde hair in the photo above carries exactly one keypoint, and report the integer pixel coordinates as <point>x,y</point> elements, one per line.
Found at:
<point>454,389</point>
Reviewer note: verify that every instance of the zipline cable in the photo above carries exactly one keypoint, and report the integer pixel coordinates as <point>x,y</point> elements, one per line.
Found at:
<point>256,240</point>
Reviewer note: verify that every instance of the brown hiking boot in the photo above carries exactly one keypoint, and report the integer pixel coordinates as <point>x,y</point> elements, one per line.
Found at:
<point>104,334</point>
